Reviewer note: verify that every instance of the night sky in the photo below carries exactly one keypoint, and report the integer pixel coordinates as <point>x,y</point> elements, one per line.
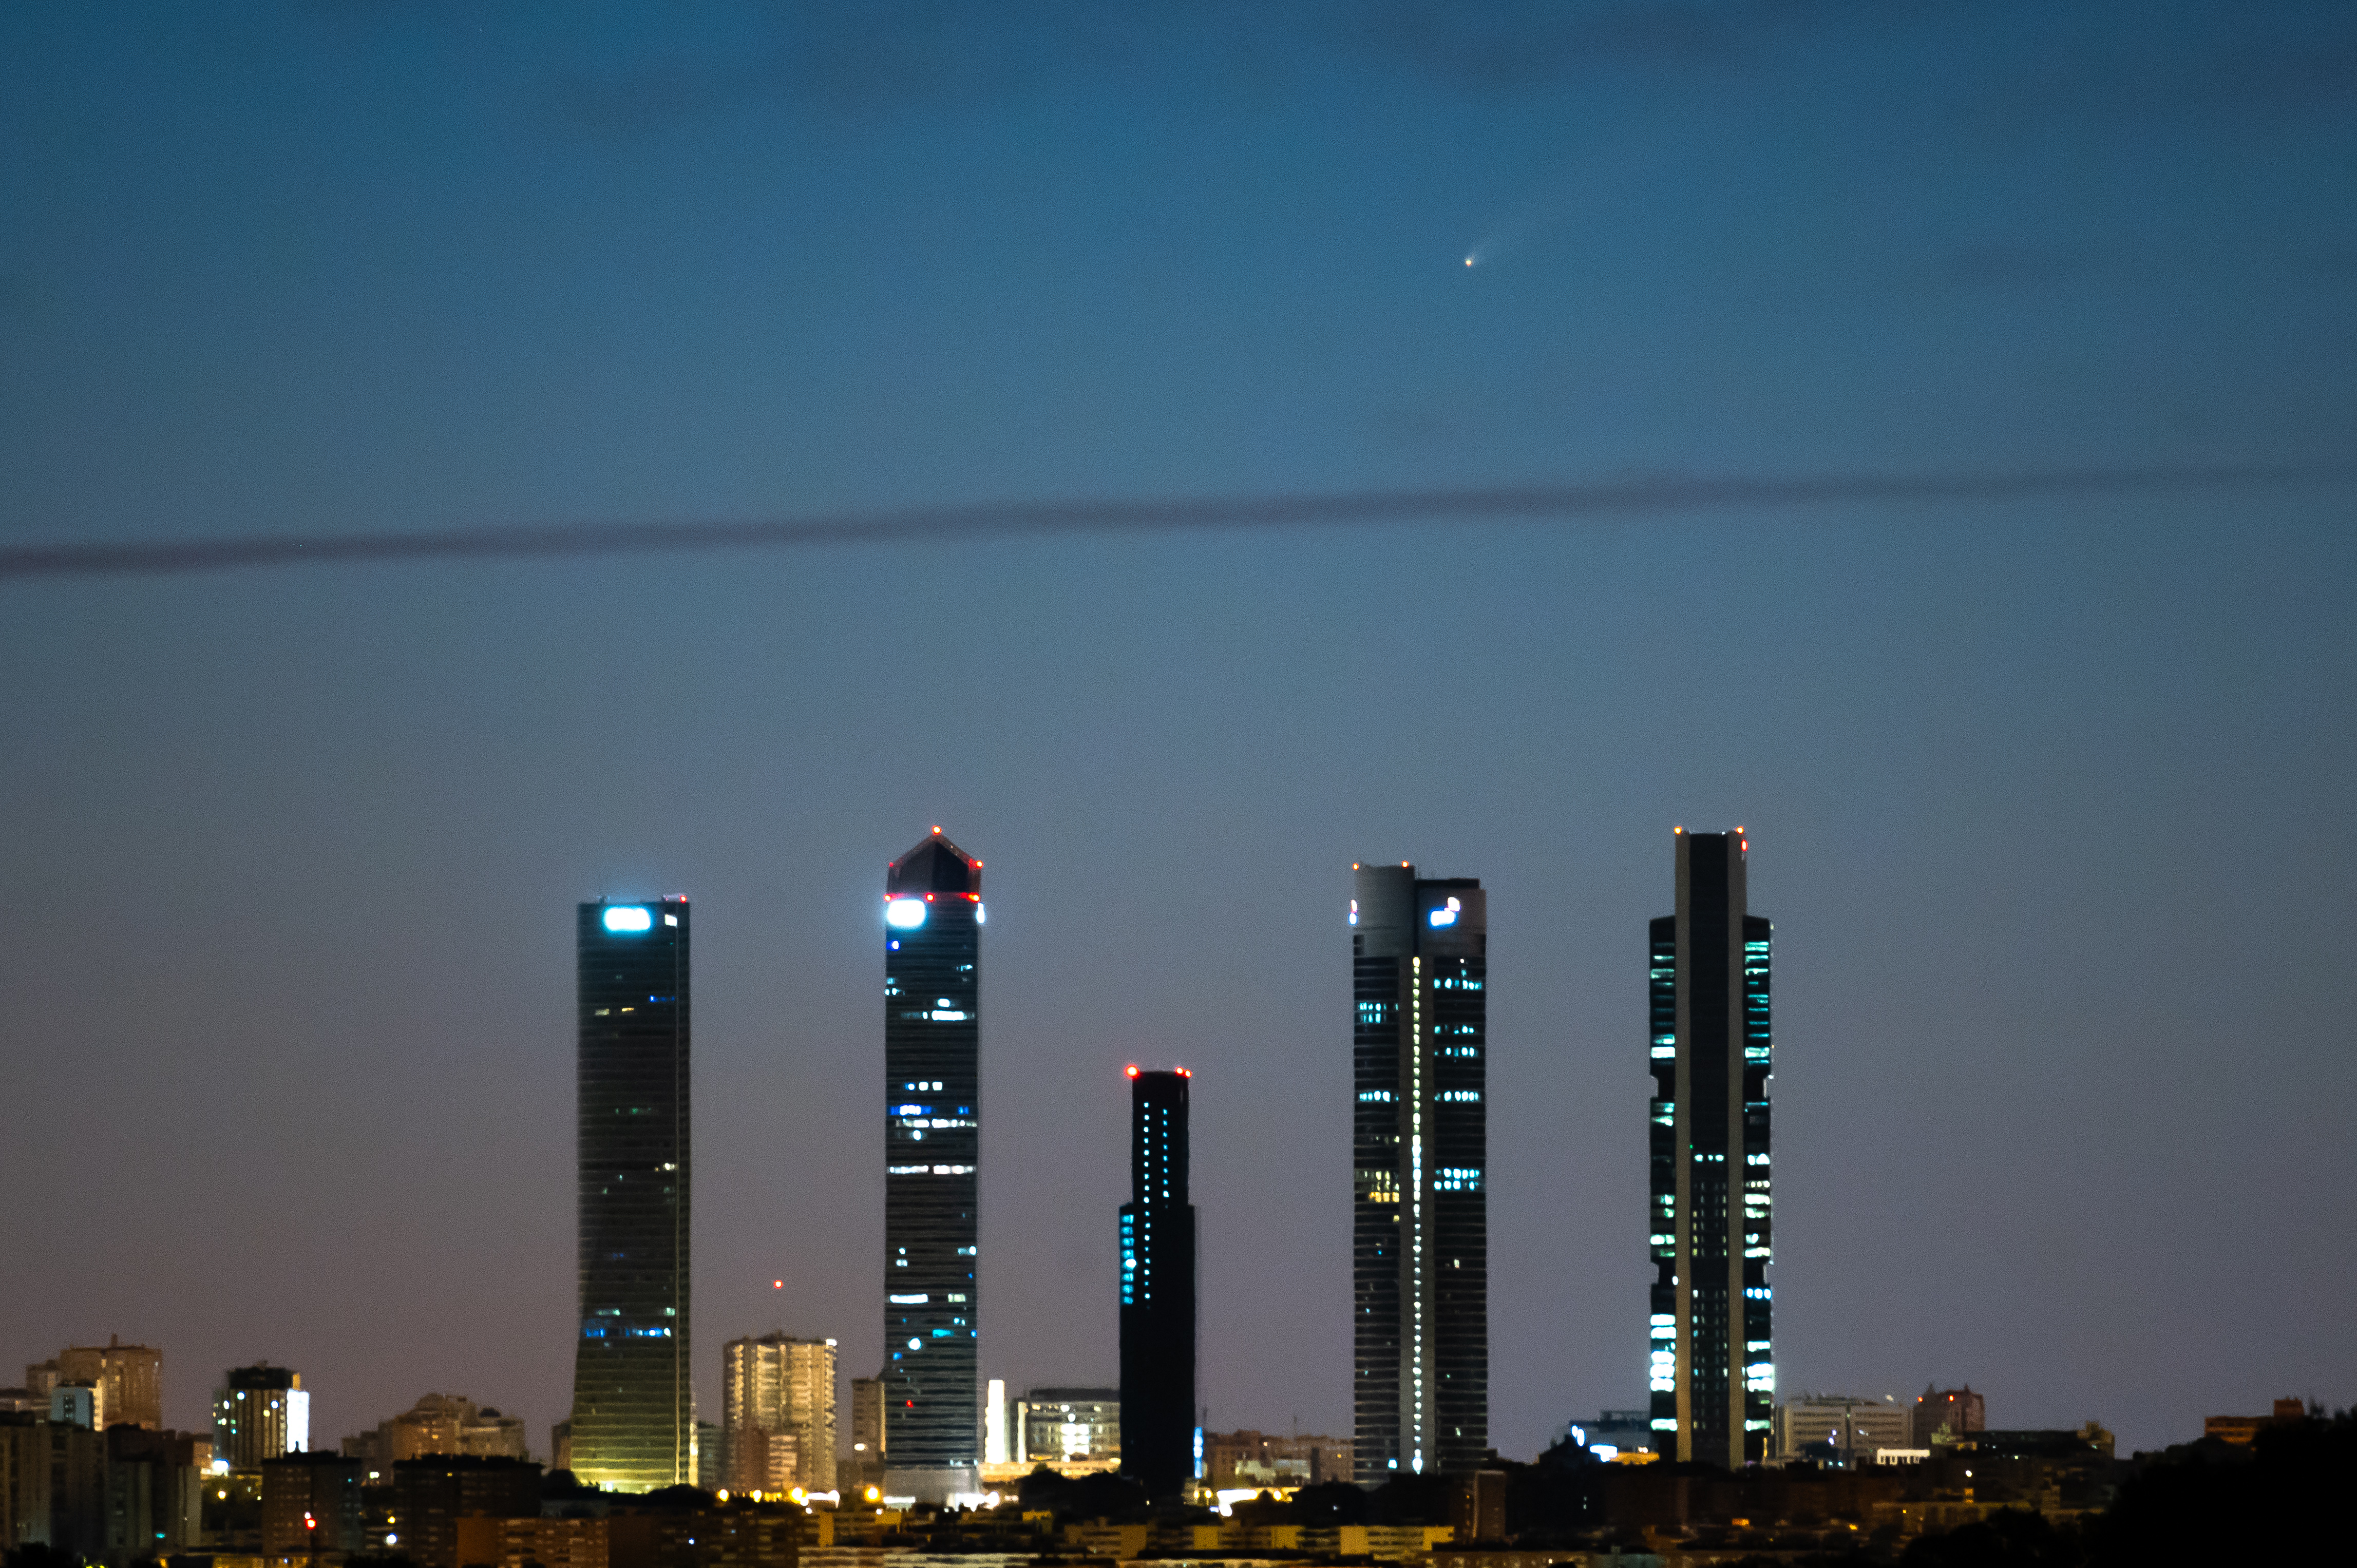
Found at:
<point>2048,798</point>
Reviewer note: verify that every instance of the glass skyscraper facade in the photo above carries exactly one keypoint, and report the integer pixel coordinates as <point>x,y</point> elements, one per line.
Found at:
<point>933,1138</point>
<point>1158,1290</point>
<point>1420,1307</point>
<point>633,1426</point>
<point>1713,1366</point>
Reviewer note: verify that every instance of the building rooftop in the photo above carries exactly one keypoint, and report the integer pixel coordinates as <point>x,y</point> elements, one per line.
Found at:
<point>934,865</point>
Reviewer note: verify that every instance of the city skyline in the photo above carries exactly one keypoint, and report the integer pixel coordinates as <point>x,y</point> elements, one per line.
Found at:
<point>290,991</point>
<point>936,863</point>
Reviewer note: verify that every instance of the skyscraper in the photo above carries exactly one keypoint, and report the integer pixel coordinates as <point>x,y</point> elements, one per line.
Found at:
<point>1714,1373</point>
<point>1419,1212</point>
<point>933,1105</point>
<point>633,1424</point>
<point>1158,1290</point>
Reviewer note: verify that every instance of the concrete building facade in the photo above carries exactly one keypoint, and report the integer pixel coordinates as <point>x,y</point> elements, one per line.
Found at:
<point>431,1496</point>
<point>310,1506</point>
<point>129,1377</point>
<point>1842,1430</point>
<point>777,1414</point>
<point>1068,1425</point>
<point>1943,1414</point>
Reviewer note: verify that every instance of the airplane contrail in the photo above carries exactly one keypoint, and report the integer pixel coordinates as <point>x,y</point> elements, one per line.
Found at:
<point>1003,520</point>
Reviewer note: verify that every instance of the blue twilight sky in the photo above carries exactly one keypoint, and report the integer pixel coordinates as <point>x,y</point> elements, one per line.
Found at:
<point>2046,797</point>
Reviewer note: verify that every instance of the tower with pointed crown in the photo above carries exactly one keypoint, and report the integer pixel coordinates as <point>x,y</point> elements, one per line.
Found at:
<point>933,1136</point>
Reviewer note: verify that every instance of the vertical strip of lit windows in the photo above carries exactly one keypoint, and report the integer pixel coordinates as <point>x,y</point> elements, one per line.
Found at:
<point>1757,1306</point>
<point>1664,1216</point>
<point>1419,1342</point>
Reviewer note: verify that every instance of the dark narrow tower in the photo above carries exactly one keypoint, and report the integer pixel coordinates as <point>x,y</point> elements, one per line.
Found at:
<point>1158,1290</point>
<point>1419,1212</point>
<point>1713,1372</point>
<point>932,1107</point>
<point>633,1399</point>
